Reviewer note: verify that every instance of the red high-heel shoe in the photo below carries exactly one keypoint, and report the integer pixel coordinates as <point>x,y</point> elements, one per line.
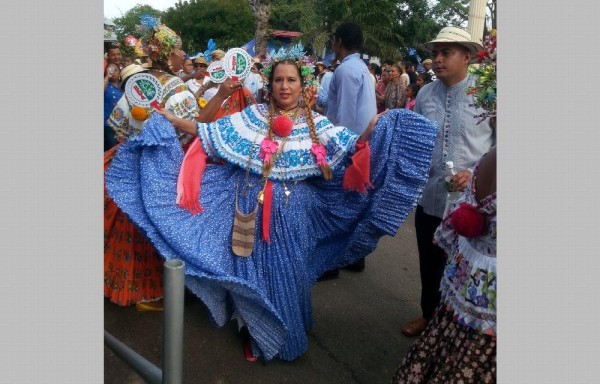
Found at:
<point>248,355</point>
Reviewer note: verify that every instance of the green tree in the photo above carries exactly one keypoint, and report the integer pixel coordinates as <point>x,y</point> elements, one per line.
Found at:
<point>126,24</point>
<point>301,16</point>
<point>318,19</point>
<point>451,12</point>
<point>417,24</point>
<point>228,22</point>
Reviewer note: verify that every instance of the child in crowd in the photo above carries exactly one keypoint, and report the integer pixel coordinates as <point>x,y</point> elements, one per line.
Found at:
<point>423,78</point>
<point>411,95</point>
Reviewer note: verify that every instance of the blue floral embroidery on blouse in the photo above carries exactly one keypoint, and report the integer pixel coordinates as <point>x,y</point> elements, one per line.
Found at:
<point>235,146</point>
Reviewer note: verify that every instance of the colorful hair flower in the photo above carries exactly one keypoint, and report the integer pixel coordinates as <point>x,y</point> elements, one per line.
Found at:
<point>484,90</point>
<point>158,40</point>
<point>295,53</point>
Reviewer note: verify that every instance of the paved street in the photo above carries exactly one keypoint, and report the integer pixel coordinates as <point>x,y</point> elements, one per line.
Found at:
<point>355,337</point>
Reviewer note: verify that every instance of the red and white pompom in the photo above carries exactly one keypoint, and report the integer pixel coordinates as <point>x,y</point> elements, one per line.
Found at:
<point>467,220</point>
<point>282,126</point>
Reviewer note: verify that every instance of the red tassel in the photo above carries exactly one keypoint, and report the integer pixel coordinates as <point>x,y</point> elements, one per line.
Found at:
<point>358,175</point>
<point>266,213</point>
<point>190,178</point>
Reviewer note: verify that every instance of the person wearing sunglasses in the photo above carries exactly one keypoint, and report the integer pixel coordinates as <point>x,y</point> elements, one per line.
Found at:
<point>194,85</point>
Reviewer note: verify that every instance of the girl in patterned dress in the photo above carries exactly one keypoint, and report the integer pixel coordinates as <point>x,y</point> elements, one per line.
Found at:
<point>459,344</point>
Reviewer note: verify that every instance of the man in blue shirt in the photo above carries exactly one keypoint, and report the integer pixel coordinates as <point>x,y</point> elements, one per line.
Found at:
<point>351,91</point>
<point>323,95</point>
<point>351,101</point>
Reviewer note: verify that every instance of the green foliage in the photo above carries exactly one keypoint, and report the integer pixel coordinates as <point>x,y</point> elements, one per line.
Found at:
<point>318,19</point>
<point>301,16</point>
<point>416,25</point>
<point>125,25</point>
<point>390,27</point>
<point>229,23</point>
<point>127,51</point>
<point>451,12</point>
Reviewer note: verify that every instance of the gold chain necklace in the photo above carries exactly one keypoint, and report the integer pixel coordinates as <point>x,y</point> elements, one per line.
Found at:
<point>264,179</point>
<point>294,111</point>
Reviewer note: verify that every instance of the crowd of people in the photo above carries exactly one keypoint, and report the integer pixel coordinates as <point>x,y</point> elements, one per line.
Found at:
<point>267,185</point>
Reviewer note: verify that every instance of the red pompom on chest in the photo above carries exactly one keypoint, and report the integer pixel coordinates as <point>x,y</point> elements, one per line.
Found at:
<point>282,126</point>
<point>468,221</point>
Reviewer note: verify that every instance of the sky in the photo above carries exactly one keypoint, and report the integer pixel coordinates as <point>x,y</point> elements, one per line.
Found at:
<point>115,8</point>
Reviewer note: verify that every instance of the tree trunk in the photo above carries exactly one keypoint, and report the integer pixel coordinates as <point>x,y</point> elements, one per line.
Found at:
<point>262,12</point>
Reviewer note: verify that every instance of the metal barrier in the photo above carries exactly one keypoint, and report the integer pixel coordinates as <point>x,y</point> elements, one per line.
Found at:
<point>173,322</point>
<point>148,371</point>
<point>172,333</point>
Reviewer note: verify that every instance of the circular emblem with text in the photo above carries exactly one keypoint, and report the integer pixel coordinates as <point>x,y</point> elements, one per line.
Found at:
<point>237,63</point>
<point>216,71</point>
<point>144,90</point>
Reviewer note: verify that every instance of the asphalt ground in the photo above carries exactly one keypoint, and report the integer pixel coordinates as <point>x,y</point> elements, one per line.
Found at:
<point>355,337</point>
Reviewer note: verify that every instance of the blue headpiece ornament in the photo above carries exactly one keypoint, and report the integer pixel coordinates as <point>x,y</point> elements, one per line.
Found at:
<point>295,53</point>
<point>211,47</point>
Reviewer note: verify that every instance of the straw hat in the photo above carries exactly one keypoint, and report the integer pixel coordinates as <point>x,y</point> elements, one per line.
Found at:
<point>217,54</point>
<point>427,61</point>
<point>200,60</point>
<point>457,36</point>
<point>130,70</point>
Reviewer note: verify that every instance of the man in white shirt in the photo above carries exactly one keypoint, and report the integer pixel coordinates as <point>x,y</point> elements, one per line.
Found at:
<point>460,139</point>
<point>254,81</point>
<point>427,63</point>
<point>200,66</point>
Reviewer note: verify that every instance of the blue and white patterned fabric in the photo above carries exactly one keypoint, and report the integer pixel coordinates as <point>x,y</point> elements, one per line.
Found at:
<point>320,227</point>
<point>232,137</point>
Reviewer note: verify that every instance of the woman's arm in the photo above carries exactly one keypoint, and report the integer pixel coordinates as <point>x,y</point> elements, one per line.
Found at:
<point>187,126</point>
<point>367,133</point>
<point>225,90</point>
<point>206,114</point>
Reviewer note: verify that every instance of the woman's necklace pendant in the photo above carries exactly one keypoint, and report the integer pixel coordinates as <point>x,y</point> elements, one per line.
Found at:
<point>261,197</point>
<point>287,193</point>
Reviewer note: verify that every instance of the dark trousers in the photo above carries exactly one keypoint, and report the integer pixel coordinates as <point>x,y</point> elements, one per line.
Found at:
<point>432,261</point>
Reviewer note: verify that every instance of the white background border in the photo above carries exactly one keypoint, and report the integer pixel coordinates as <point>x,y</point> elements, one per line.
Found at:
<point>51,185</point>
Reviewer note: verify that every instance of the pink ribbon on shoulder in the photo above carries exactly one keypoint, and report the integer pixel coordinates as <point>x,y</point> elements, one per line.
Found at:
<point>320,152</point>
<point>268,148</point>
